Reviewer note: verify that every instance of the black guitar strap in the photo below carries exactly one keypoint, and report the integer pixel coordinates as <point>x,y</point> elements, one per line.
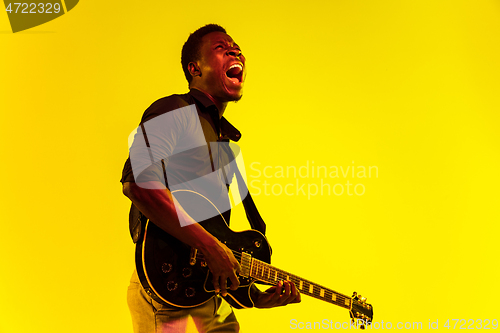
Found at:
<point>253,215</point>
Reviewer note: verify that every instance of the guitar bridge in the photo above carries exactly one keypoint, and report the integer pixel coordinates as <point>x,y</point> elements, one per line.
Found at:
<point>246,261</point>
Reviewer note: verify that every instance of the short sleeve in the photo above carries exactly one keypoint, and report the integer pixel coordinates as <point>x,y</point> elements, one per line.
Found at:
<point>155,139</point>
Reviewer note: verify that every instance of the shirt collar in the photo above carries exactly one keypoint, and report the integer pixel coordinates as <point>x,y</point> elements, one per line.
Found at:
<point>228,131</point>
<point>202,98</point>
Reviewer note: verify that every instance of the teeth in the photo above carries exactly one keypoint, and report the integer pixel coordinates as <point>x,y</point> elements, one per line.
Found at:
<point>236,65</point>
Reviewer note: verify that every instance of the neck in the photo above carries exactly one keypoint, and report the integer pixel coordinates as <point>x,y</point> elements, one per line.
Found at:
<point>221,106</point>
<point>264,272</point>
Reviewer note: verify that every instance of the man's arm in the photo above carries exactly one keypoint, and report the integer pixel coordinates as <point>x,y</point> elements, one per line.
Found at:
<point>157,204</point>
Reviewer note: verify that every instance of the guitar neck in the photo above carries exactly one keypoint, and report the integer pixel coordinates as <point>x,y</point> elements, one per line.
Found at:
<point>264,272</point>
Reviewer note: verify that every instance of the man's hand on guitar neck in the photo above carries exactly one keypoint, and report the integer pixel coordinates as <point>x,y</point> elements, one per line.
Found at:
<point>285,292</point>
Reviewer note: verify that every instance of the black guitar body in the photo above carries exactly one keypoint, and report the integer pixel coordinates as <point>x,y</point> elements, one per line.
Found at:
<point>172,274</point>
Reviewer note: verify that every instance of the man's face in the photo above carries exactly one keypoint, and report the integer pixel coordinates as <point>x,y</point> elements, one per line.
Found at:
<point>222,67</point>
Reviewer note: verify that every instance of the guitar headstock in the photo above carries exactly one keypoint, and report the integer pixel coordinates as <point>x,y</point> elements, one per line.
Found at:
<point>361,312</point>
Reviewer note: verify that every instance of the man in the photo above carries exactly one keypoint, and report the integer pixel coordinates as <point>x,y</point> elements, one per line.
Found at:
<point>215,69</point>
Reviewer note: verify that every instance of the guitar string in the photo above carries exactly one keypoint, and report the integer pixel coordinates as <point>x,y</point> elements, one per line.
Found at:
<point>327,296</point>
<point>262,265</point>
<point>257,265</point>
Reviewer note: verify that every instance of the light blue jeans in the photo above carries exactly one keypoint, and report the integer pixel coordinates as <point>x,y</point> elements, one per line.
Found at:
<point>149,316</point>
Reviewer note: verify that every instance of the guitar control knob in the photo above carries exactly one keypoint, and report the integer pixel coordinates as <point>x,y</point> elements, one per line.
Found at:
<point>257,243</point>
<point>186,272</point>
<point>203,263</point>
<point>166,267</point>
<point>171,285</point>
<point>190,292</point>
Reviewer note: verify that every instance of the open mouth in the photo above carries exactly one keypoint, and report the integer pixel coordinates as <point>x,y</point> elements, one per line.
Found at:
<point>235,73</point>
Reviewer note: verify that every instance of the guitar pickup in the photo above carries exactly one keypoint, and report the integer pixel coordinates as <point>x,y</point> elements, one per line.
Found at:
<point>246,261</point>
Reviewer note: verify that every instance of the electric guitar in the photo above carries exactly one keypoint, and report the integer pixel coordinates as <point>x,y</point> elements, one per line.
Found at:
<point>173,273</point>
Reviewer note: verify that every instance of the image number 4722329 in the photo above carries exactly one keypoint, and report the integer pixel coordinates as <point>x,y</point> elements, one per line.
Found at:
<point>27,14</point>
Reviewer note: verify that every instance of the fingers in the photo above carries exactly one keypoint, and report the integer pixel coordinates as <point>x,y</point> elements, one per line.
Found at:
<point>215,281</point>
<point>285,292</point>
<point>224,266</point>
<point>290,293</point>
<point>235,282</point>
<point>220,283</point>
<point>287,289</point>
<point>278,291</point>
<point>280,295</point>
<point>223,285</point>
<point>295,294</point>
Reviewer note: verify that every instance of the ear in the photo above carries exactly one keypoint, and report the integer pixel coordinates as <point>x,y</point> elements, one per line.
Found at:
<point>194,69</point>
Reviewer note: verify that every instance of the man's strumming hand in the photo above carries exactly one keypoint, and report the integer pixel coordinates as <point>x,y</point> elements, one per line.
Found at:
<point>223,265</point>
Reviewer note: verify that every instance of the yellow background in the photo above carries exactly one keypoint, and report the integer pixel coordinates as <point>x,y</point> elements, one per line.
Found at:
<point>408,86</point>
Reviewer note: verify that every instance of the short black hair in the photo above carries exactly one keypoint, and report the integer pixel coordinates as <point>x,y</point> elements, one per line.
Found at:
<point>191,48</point>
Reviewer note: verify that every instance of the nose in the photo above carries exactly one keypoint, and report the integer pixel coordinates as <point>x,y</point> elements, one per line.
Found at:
<point>234,53</point>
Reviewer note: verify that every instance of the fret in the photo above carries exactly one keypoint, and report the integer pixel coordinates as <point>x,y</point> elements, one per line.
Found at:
<point>306,287</point>
<point>267,273</point>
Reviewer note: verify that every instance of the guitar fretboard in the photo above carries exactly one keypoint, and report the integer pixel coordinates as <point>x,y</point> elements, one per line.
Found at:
<point>264,272</point>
